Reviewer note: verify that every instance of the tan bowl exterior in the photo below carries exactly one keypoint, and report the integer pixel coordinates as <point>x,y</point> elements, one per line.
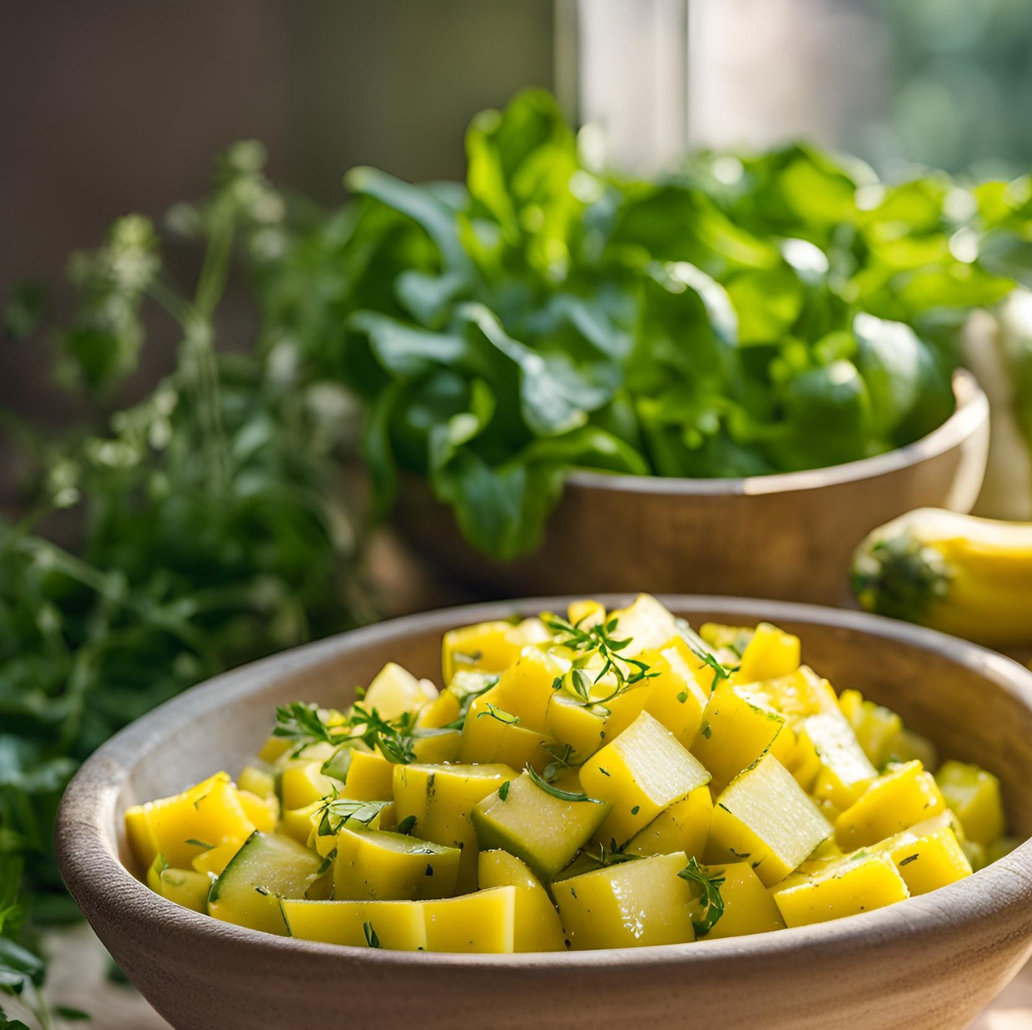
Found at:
<point>931,963</point>
<point>785,536</point>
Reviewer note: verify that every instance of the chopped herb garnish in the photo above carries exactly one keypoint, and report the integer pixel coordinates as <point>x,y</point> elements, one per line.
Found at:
<point>562,753</point>
<point>712,902</point>
<point>406,825</point>
<point>200,844</point>
<point>503,790</point>
<point>702,652</point>
<point>636,810</point>
<point>682,696</point>
<point>908,859</point>
<point>263,891</point>
<point>707,730</point>
<point>603,771</point>
<point>370,935</point>
<point>598,640</point>
<point>562,795</point>
<point>497,713</point>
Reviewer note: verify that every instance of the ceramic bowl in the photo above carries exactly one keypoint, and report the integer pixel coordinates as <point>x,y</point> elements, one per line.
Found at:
<point>786,536</point>
<point>930,963</point>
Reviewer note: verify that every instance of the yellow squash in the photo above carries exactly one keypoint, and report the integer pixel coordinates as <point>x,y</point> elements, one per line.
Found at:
<point>963,575</point>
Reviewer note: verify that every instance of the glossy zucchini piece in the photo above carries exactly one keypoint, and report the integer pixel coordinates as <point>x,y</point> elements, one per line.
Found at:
<point>770,653</point>
<point>748,907</point>
<point>395,690</point>
<point>267,868</point>
<point>185,887</point>
<point>536,923</point>
<point>481,922</point>
<point>974,796</point>
<point>857,883</point>
<point>376,865</point>
<point>640,773</point>
<point>738,726</point>
<point>903,797</point>
<point>543,830</point>
<point>629,905</point>
<point>683,826</point>
<point>440,799</point>
<point>765,818</point>
<point>398,925</point>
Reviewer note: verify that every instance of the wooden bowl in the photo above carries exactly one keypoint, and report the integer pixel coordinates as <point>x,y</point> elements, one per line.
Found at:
<point>786,536</point>
<point>930,963</point>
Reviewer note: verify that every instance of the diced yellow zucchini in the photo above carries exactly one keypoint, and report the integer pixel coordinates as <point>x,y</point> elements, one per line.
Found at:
<point>489,646</point>
<point>258,778</point>
<point>683,826</point>
<point>214,860</point>
<point>433,746</point>
<point>647,623</point>
<point>395,691</point>
<point>769,654</point>
<point>185,887</point>
<point>396,925</point>
<point>857,883</point>
<point>481,922</point>
<point>974,796</point>
<point>442,711</point>
<point>640,773</point>
<point>490,735</point>
<point>903,797</point>
<point>845,772</point>
<point>928,856</point>
<point>274,749</point>
<point>729,638</point>
<point>748,906</point>
<point>370,777</point>
<point>302,784</point>
<point>262,811</point>
<point>877,728</point>
<point>267,868</point>
<point>193,822</point>
<point>798,695</point>
<point>585,614</point>
<point>628,905</point>
<point>543,830</point>
<point>737,727</point>
<point>766,819</point>
<point>587,727</point>
<point>441,797</point>
<point>675,697</point>
<point>375,865</point>
<point>537,926</point>
<point>525,689</point>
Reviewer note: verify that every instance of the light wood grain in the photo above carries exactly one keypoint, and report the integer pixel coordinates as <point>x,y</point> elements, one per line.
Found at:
<point>931,963</point>
<point>784,536</point>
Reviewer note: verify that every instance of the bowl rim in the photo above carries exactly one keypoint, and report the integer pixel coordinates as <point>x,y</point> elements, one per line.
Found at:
<point>971,412</point>
<point>87,836</point>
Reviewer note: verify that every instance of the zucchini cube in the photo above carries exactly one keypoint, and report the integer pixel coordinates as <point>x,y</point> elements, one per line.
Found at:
<point>860,882</point>
<point>536,926</point>
<point>481,922</point>
<point>398,925</point>
<point>640,773</point>
<point>974,796</point>
<point>683,826</point>
<point>765,818</point>
<point>629,905</point>
<point>543,830</point>
<point>440,798</point>
<point>376,865</point>
<point>748,905</point>
<point>903,797</point>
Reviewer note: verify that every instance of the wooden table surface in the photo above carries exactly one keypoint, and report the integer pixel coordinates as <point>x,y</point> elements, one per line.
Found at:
<point>79,969</point>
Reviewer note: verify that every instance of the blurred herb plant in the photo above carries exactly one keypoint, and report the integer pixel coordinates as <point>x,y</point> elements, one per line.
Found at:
<point>742,316</point>
<point>211,532</point>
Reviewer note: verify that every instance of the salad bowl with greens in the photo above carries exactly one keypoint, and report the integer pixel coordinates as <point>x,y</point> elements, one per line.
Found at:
<point>741,317</point>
